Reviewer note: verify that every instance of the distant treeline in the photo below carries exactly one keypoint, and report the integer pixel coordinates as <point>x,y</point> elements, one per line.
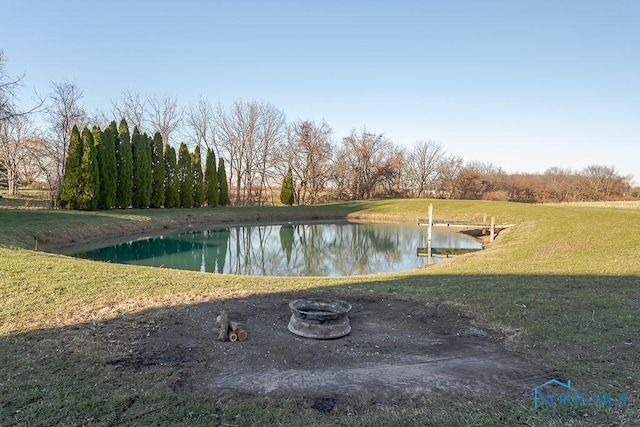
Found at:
<point>104,166</point>
<point>112,168</point>
<point>481,181</point>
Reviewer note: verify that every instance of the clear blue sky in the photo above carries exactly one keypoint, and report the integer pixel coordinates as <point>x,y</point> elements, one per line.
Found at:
<point>525,85</point>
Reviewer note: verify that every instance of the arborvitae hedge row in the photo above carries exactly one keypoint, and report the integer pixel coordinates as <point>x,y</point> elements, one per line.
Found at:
<point>106,169</point>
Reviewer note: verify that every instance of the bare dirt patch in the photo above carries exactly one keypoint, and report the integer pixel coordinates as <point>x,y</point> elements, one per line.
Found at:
<point>397,349</point>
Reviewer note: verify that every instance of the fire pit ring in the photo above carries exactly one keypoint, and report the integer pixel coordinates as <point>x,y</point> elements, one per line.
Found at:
<point>319,318</point>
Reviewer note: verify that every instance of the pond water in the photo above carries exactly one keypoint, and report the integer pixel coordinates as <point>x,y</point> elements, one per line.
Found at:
<point>318,249</point>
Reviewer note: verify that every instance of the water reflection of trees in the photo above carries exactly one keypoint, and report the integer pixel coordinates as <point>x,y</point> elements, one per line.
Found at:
<point>311,249</point>
<point>363,248</point>
<point>287,236</point>
<point>198,250</point>
<point>338,249</point>
<point>286,250</point>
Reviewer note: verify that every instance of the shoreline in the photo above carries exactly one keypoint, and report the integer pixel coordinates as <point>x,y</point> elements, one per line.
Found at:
<point>176,221</point>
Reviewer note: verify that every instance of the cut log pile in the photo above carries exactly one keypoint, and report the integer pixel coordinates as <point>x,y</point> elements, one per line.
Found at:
<point>228,330</point>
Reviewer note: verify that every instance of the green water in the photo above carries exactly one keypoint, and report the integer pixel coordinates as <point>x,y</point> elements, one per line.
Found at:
<point>336,249</point>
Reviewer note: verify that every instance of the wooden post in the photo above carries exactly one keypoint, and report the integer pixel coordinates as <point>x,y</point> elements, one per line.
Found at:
<point>493,229</point>
<point>484,218</point>
<point>429,230</point>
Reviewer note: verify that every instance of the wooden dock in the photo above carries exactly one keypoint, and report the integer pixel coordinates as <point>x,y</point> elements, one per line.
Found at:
<point>483,227</point>
<point>444,252</point>
<point>467,225</point>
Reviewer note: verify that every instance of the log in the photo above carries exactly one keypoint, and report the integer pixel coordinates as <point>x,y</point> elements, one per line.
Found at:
<point>235,326</point>
<point>224,326</point>
<point>242,335</point>
<point>233,337</point>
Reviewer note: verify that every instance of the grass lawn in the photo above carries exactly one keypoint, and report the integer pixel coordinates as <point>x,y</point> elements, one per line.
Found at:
<point>562,287</point>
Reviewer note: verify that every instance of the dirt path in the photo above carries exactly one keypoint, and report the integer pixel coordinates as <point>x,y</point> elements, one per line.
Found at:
<point>397,349</point>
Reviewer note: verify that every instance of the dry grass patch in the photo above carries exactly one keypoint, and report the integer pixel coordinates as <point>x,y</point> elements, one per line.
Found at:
<point>631,204</point>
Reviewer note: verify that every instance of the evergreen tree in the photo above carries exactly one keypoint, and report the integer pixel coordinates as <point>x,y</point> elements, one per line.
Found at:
<point>287,196</point>
<point>105,143</point>
<point>171,194</point>
<point>223,186</point>
<point>157,172</point>
<point>185,177</point>
<point>211,179</point>
<point>141,151</point>
<point>89,194</point>
<point>124,159</point>
<point>96,134</point>
<point>68,197</point>
<point>198,183</point>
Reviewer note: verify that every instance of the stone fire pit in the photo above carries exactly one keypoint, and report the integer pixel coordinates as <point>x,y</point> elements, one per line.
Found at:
<point>319,318</point>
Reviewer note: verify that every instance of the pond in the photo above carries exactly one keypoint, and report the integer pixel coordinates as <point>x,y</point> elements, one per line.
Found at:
<point>292,249</point>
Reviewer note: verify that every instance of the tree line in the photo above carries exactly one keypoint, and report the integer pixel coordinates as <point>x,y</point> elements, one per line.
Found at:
<point>266,154</point>
<point>111,168</point>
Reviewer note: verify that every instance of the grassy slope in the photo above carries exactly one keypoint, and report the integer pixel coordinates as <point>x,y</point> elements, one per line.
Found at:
<point>563,287</point>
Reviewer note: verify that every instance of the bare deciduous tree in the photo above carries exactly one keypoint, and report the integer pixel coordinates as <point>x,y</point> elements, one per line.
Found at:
<point>164,116</point>
<point>64,112</point>
<point>447,177</point>
<point>37,167</point>
<point>309,151</point>
<point>13,151</point>
<point>248,134</point>
<point>424,165</point>
<point>132,108</point>
<point>558,186</point>
<point>598,181</point>
<point>99,118</point>
<point>272,134</point>
<point>366,162</point>
<point>8,86</point>
<point>199,121</point>
<point>394,172</point>
<point>8,96</point>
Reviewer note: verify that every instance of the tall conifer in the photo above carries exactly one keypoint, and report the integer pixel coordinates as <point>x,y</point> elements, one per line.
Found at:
<point>287,196</point>
<point>89,194</point>
<point>211,178</point>
<point>157,171</point>
<point>171,194</point>
<point>185,177</point>
<point>223,186</point>
<point>68,197</point>
<point>96,133</point>
<point>124,159</point>
<point>141,170</point>
<point>198,182</point>
<point>105,142</point>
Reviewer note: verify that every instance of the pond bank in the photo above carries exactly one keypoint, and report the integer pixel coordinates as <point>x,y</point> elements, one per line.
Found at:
<point>63,232</point>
